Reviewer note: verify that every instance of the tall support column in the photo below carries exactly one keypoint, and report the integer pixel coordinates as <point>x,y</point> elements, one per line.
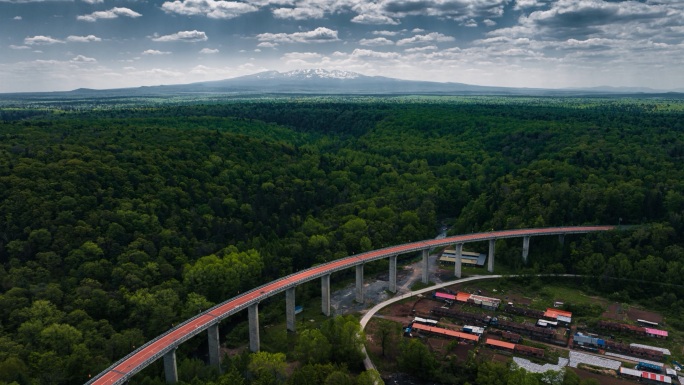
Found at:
<point>561,238</point>
<point>425,266</point>
<point>393,273</point>
<point>290,309</point>
<point>325,294</point>
<point>253,315</point>
<point>492,249</point>
<point>214,346</point>
<point>457,261</point>
<point>359,283</point>
<point>170,369</point>
<point>526,248</point>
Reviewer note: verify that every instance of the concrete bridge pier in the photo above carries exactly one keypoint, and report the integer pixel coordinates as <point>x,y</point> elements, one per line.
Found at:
<point>526,248</point>
<point>214,346</point>
<point>170,368</point>
<point>253,315</point>
<point>290,309</point>
<point>359,283</point>
<point>393,273</point>
<point>325,294</point>
<point>492,249</point>
<point>457,261</point>
<point>426,254</point>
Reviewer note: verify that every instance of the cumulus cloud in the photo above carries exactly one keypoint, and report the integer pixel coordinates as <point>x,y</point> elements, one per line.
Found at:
<point>41,40</point>
<point>298,13</point>
<point>370,54</point>
<point>374,19</point>
<point>17,18</point>
<point>457,10</point>
<point>213,9</point>
<point>421,49</point>
<point>185,36</point>
<point>208,51</point>
<point>83,59</point>
<point>154,52</point>
<point>267,44</point>
<point>385,33</point>
<point>93,1</point>
<point>521,4</point>
<point>110,14</point>
<point>377,41</point>
<point>19,47</point>
<point>306,56</point>
<point>433,37</point>
<point>318,35</point>
<point>83,39</point>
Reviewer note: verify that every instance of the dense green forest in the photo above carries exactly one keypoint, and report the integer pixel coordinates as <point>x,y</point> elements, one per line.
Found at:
<point>117,222</point>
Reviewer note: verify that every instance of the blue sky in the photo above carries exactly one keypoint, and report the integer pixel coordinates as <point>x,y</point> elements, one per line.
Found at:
<point>49,45</point>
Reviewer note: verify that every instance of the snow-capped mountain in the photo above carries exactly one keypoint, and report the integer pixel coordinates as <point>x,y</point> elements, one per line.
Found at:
<point>307,74</point>
<point>332,82</point>
<point>320,73</point>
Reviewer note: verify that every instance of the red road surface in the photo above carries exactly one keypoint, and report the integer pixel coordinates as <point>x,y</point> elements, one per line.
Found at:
<point>145,355</point>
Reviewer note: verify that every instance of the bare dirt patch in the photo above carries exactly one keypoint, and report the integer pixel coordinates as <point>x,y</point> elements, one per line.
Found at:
<point>635,314</point>
<point>614,311</point>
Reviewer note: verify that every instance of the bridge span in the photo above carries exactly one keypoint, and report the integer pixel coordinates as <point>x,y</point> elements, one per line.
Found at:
<point>166,344</point>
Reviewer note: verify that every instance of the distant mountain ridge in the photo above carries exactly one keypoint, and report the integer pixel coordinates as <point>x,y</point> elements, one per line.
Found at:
<point>340,82</point>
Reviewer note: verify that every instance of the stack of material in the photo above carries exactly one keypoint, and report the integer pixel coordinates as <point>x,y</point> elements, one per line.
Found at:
<point>665,351</point>
<point>629,358</point>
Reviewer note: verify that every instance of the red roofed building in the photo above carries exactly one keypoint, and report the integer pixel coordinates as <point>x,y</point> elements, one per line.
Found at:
<point>500,344</point>
<point>446,332</point>
<point>562,316</point>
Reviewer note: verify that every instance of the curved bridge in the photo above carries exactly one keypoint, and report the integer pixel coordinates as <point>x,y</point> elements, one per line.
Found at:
<point>165,345</point>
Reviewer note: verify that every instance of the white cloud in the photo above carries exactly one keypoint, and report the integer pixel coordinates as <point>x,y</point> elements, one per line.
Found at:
<point>457,10</point>
<point>433,37</point>
<point>41,40</point>
<point>93,1</point>
<point>83,39</point>
<point>186,36</point>
<point>385,33</point>
<point>213,9</point>
<point>370,54</point>
<point>489,22</point>
<point>267,44</point>
<point>208,51</point>
<point>305,56</point>
<point>470,23</point>
<point>19,47</point>
<point>372,19</point>
<point>520,4</point>
<point>417,30</point>
<point>298,13</point>
<point>83,59</point>
<point>110,14</point>
<point>377,41</point>
<point>421,49</point>
<point>154,52</point>
<point>17,18</point>
<point>318,35</point>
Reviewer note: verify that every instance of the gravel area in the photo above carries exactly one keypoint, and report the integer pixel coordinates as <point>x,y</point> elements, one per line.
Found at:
<point>536,368</point>
<point>577,358</point>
